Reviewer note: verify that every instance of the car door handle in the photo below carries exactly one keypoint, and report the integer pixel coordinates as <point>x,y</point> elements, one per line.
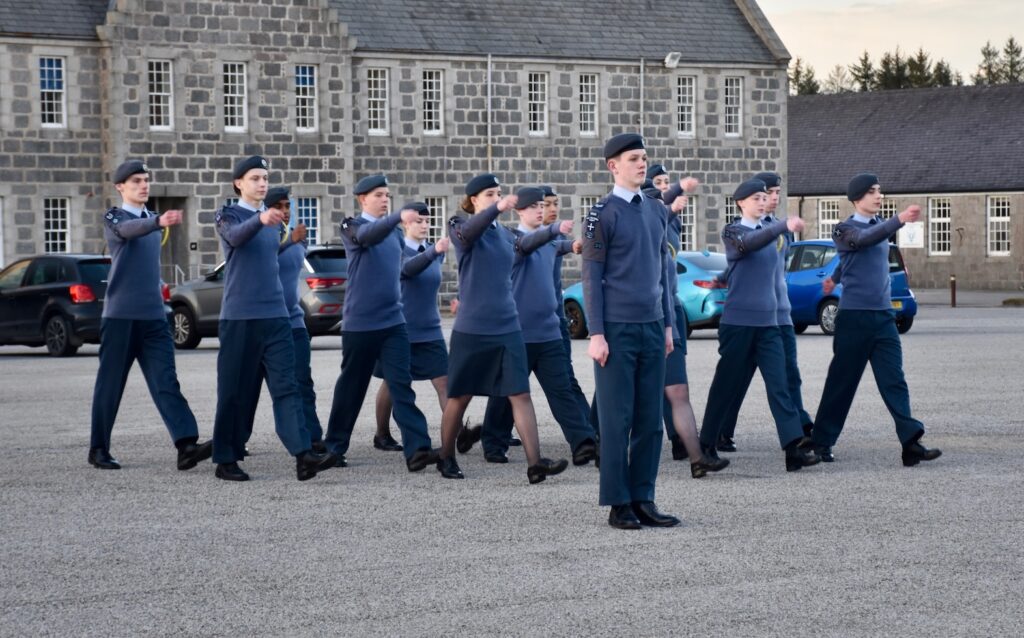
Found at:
<point>821,274</point>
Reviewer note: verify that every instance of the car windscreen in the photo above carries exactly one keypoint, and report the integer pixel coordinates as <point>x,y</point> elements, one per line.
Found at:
<point>327,260</point>
<point>707,262</point>
<point>94,271</point>
<point>895,259</point>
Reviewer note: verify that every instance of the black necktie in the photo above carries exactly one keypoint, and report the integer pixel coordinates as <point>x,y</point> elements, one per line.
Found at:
<point>874,220</point>
<point>637,199</point>
<point>143,214</point>
<point>421,249</point>
<point>758,227</point>
<point>768,219</point>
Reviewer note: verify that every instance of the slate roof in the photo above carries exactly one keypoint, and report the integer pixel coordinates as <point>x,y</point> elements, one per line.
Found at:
<point>941,140</point>
<point>702,30</point>
<point>75,19</point>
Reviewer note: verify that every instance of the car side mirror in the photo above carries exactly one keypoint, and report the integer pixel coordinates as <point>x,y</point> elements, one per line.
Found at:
<point>213,275</point>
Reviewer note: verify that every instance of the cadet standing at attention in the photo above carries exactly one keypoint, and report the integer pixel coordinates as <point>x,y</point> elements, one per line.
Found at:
<point>533,290</point>
<point>749,334</point>
<point>374,327</point>
<point>488,355</point>
<point>866,325</point>
<point>134,324</point>
<point>421,279</point>
<point>626,293</point>
<point>255,334</point>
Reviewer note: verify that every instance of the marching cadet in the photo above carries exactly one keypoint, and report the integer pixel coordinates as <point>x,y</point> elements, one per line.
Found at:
<point>374,327</point>
<point>533,290</point>
<point>626,293</point>
<point>488,355</point>
<point>785,320</point>
<point>255,333</point>
<point>290,257</point>
<point>134,324</point>
<point>866,325</point>
<point>421,279</point>
<point>658,175</point>
<point>749,334</point>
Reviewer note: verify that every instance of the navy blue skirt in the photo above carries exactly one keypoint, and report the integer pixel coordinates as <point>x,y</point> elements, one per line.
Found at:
<point>428,360</point>
<point>675,364</point>
<point>487,365</point>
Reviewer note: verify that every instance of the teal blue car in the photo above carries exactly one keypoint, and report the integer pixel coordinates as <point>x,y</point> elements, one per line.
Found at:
<point>701,299</point>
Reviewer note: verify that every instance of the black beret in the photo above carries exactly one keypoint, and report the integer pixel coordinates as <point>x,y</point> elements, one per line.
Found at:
<point>770,179</point>
<point>621,143</point>
<point>249,164</point>
<point>860,185</point>
<point>129,168</point>
<point>656,169</point>
<point>528,196</point>
<point>548,191</point>
<point>481,182</point>
<point>369,183</point>
<point>276,195</point>
<point>748,188</point>
<point>419,207</point>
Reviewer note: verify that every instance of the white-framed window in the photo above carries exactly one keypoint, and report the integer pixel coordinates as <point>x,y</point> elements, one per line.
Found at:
<point>828,217</point>
<point>307,211</point>
<point>998,215</point>
<point>230,201</point>
<point>305,98</point>
<point>688,223</point>
<point>686,105</point>
<point>940,226</point>
<point>732,211</point>
<point>56,213</point>
<point>53,103</point>
<point>235,103</point>
<point>438,212</point>
<point>161,95</point>
<point>586,203</point>
<point>537,103</point>
<point>377,103</point>
<point>888,209</point>
<point>433,101</point>
<point>733,106</point>
<point>588,104</point>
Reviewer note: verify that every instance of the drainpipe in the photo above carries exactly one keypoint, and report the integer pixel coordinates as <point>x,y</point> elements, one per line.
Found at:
<point>800,210</point>
<point>642,118</point>
<point>490,148</point>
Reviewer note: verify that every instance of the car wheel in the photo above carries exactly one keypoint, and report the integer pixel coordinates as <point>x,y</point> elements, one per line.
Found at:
<point>57,333</point>
<point>183,329</point>
<point>903,324</point>
<point>800,328</point>
<point>577,322</point>
<point>827,314</point>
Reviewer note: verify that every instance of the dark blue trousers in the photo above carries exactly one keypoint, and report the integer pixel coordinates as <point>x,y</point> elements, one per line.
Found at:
<point>630,387</point>
<point>304,379</point>
<point>863,336</point>
<point>792,379</point>
<point>547,362</point>
<point>250,348</point>
<point>576,389</point>
<point>742,348</point>
<point>122,341</point>
<point>359,354</point>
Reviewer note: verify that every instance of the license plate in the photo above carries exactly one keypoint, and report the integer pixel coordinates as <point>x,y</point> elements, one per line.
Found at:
<point>898,305</point>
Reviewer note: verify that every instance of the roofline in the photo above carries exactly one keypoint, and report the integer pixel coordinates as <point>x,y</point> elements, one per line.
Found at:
<point>359,54</point>
<point>764,30</point>
<point>890,193</point>
<point>19,38</point>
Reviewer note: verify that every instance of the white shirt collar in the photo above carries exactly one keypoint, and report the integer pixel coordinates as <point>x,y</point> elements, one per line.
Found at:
<point>862,218</point>
<point>415,245</point>
<point>749,224</point>
<point>523,229</point>
<point>625,193</point>
<point>367,216</point>
<point>243,204</point>
<point>132,209</point>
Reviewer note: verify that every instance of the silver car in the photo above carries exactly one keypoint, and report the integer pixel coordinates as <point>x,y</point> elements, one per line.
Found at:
<point>195,304</point>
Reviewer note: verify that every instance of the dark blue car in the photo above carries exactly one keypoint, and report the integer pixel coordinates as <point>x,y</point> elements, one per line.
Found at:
<point>808,263</point>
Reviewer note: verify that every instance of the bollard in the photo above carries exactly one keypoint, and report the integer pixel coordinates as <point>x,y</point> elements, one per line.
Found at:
<point>952,291</point>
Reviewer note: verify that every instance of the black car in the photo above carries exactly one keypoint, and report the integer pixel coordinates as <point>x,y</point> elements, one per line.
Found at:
<point>54,300</point>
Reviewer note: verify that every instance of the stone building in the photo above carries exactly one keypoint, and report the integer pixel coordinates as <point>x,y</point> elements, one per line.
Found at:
<point>958,152</point>
<point>430,93</point>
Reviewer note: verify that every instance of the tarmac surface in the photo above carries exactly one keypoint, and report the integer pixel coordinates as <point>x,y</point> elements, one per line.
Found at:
<point>860,547</point>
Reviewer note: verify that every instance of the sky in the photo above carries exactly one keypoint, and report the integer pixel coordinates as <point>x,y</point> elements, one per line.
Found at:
<point>828,32</point>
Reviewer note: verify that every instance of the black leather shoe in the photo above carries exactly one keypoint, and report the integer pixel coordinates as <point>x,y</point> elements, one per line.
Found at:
<point>647,513</point>
<point>421,459</point>
<point>319,447</point>
<point>340,461</point>
<point>514,442</point>
<point>495,457</point>
<point>915,453</point>
<point>387,443</point>
<point>545,468</point>
<point>327,460</point>
<point>467,438</point>
<point>622,517</point>
<point>700,469</point>
<point>449,468</point>
<point>709,452</point>
<point>192,454</point>
<point>230,472</point>
<point>101,458</point>
<point>308,464</point>
<point>726,444</point>
<point>824,452</point>
<point>797,458</point>
<point>679,450</point>
<point>584,453</point>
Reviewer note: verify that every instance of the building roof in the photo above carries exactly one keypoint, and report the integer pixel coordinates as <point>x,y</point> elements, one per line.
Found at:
<point>941,140</point>
<point>74,19</point>
<point>701,30</point>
